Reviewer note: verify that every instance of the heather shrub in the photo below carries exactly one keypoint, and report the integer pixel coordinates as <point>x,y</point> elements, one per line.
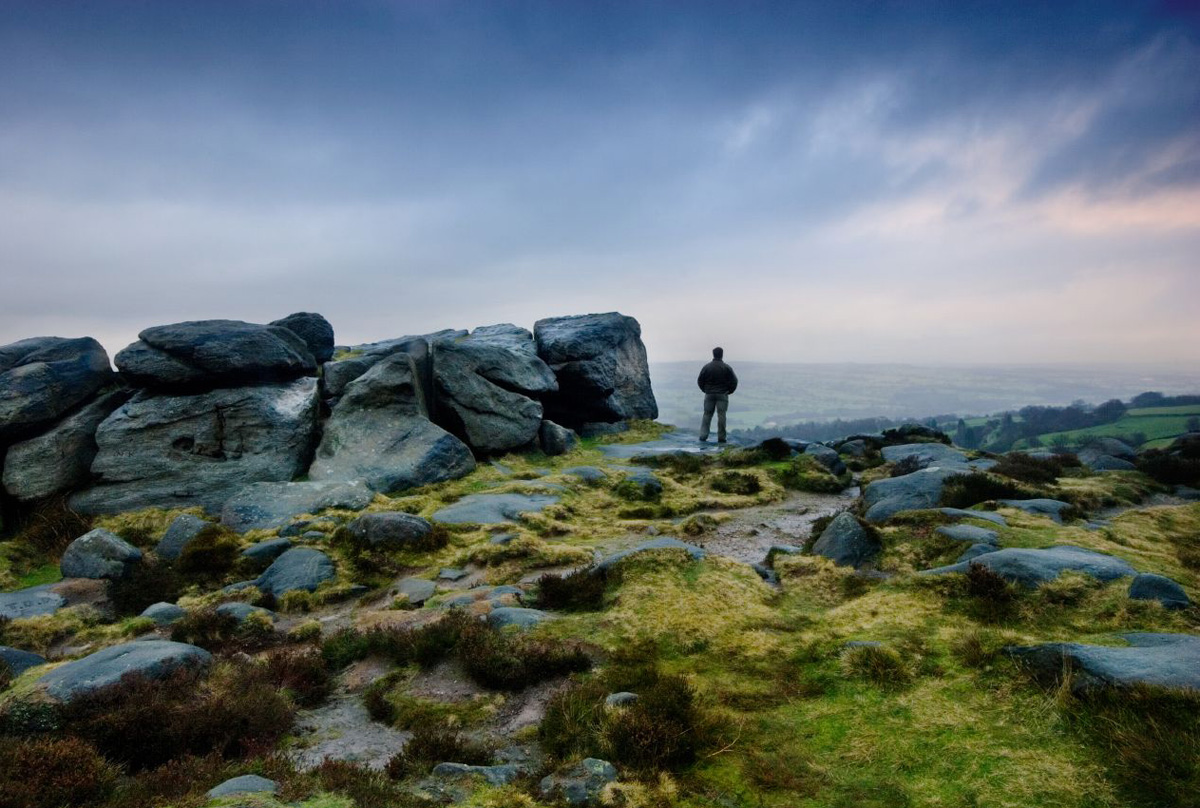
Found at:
<point>504,660</point>
<point>207,628</point>
<point>50,527</point>
<point>906,465</point>
<point>46,772</point>
<point>301,673</point>
<point>736,482</point>
<point>965,490</point>
<point>431,745</point>
<point>1029,469</point>
<point>805,473</point>
<point>578,591</point>
<point>211,554</point>
<point>145,584</point>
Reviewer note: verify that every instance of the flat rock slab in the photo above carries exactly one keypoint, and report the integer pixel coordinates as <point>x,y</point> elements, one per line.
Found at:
<point>301,568</point>
<point>154,659</point>
<point>246,784</point>
<point>1039,507</point>
<point>695,552</point>
<point>342,730</point>
<point>269,505</point>
<point>987,516</point>
<point>1035,567</point>
<point>31,602</point>
<point>927,454</point>
<point>486,509</point>
<point>975,551</point>
<point>19,661</point>
<point>164,613</point>
<point>969,533</point>
<point>516,616</point>
<point>910,492</point>
<point>494,596</point>
<point>680,442</point>
<point>264,552</point>
<point>1166,660</point>
<point>589,474</point>
<point>499,775</point>
<point>240,611</point>
<point>417,590</point>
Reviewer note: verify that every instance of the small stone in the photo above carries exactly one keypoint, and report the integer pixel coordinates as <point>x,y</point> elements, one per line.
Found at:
<point>452,574</point>
<point>1149,586</point>
<point>246,784</point>
<point>516,616</point>
<point>622,699</point>
<point>164,614</point>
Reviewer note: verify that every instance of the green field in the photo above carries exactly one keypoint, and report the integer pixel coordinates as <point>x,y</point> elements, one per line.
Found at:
<point>1160,425</point>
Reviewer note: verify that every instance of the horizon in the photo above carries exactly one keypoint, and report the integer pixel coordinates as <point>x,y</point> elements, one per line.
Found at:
<point>869,183</point>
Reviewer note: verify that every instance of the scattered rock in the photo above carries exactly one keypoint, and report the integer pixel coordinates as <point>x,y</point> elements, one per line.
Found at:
<point>494,596</point>
<point>504,616</point>
<point>181,450</point>
<point>390,529</point>
<point>1103,462</point>
<point>1111,447</point>
<point>581,784</point>
<point>500,775</point>
<point>240,611</point>
<point>486,509</point>
<point>975,551</point>
<point>826,457</point>
<point>600,363</point>
<point>452,574</point>
<point>854,448</point>
<point>61,459</point>
<point>246,784</point>
<point>502,538</point>
<point>1165,660</point>
<point>695,552</point>
<point>921,489</point>
<point>416,590</point>
<point>1041,507</point>
<point>30,602</point>
<point>19,661</point>
<point>987,516</point>
<point>622,699</point>
<point>314,329</point>
<point>99,554</point>
<point>153,659</point>
<point>847,543</point>
<point>269,505</point>
<point>182,531</point>
<point>969,533</point>
<point>1035,567</point>
<point>555,439</point>
<point>207,354</point>
<point>264,552</point>
<point>164,614</point>
<point>589,474</point>
<point>44,378</point>
<point>300,568</point>
<point>640,484</point>
<point>1149,586</point>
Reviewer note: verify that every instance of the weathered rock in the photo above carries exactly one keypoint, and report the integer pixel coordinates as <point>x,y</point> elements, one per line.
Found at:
<point>581,784</point>
<point>390,529</point>
<point>246,784</point>
<point>1111,447</point>
<point>598,429</point>
<point>969,533</point>
<point>695,552</point>
<point>416,590</point>
<point>19,661</point>
<point>589,474</point>
<point>209,354</point>
<point>99,554</point>
<point>516,616</point>
<point>176,451</point>
<point>452,574</point>
<point>1187,493</point>
<point>826,457</point>
<point>30,602</point>
<point>1041,507</point>
<point>486,509</point>
<point>182,531</point>
<point>847,543</point>
<point>487,388</point>
<point>1035,567</point>
<point>153,659</point>
<point>379,433</point>
<point>621,699</point>
<point>301,568</point>
<point>164,613</point>
<point>498,775</point>
<point>44,378</point>
<point>1164,660</point>
<point>921,489</point>
<point>1149,586</point>
<point>494,596</point>
<point>640,484</point>
<point>556,440</point>
<point>987,516</point>
<point>600,363</point>
<point>273,504</point>
<point>1103,462</point>
<point>314,329</point>
<point>264,552</point>
<point>927,454</point>
<point>975,551</point>
<point>60,459</point>
<point>240,611</point>
<point>854,448</point>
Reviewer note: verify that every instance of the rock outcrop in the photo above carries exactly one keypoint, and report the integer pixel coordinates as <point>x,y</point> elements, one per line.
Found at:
<point>153,659</point>
<point>1035,567</point>
<point>1163,660</point>
<point>44,378</point>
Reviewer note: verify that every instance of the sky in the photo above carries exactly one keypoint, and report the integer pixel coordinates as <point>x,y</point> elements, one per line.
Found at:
<point>912,182</point>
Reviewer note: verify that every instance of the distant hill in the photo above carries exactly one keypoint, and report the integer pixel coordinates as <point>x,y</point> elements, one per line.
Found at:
<point>778,393</point>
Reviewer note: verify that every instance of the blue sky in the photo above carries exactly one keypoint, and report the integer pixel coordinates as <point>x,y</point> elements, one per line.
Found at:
<point>852,181</point>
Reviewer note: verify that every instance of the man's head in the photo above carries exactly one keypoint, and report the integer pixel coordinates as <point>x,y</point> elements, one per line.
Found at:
<point>718,353</point>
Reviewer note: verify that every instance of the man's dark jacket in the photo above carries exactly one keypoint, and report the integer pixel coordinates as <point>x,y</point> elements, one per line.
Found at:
<point>717,377</point>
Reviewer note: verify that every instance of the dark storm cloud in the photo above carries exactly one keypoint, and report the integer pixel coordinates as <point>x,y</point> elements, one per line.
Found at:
<point>410,165</point>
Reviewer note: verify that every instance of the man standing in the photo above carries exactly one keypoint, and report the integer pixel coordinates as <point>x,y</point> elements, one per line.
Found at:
<point>717,380</point>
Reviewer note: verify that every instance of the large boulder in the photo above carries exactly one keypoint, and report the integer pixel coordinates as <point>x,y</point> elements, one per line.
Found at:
<point>301,568</point>
<point>1149,586</point>
<point>487,387</point>
<point>601,366</point>
<point>379,433</point>
<point>1163,660</point>
<point>361,358</point>
<point>921,489</point>
<point>826,457</point>
<point>153,659</point>
<point>314,329</point>
<point>19,661</point>
<point>269,505</point>
<point>847,543</point>
<point>1032,568</point>
<point>60,459</point>
<point>99,554</point>
<point>207,354</point>
<point>44,378</point>
<point>556,440</point>
<point>390,529</point>
<point>174,451</point>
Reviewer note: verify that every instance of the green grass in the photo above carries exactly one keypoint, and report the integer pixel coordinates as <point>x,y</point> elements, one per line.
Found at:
<point>1154,427</point>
